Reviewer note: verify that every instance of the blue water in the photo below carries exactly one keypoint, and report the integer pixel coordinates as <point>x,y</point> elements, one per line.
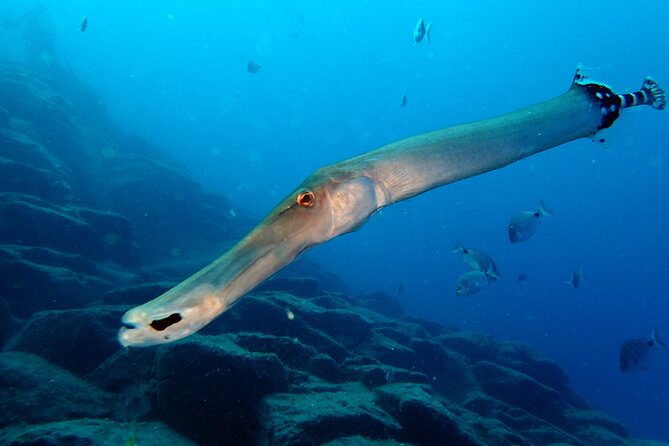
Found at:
<point>331,78</point>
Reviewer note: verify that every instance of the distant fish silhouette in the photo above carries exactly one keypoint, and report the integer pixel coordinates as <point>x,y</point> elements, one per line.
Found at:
<point>634,353</point>
<point>403,101</point>
<point>390,376</point>
<point>83,24</point>
<point>421,31</point>
<point>523,225</point>
<point>252,67</point>
<point>576,278</point>
<point>401,289</point>
<point>522,278</point>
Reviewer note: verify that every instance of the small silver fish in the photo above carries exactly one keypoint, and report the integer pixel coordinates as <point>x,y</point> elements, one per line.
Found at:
<point>634,353</point>
<point>477,260</point>
<point>576,278</point>
<point>390,376</point>
<point>471,282</point>
<point>421,31</point>
<point>523,225</point>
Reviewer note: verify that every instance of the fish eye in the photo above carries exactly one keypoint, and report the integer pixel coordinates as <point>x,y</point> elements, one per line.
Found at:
<point>306,198</point>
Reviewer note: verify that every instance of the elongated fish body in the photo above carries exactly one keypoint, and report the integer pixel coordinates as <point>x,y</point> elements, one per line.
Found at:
<point>338,199</point>
<point>471,282</point>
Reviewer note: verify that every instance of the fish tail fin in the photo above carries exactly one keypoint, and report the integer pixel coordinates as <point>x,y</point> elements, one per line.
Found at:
<point>492,274</point>
<point>458,248</point>
<point>655,339</point>
<point>650,93</point>
<point>427,31</point>
<point>543,210</point>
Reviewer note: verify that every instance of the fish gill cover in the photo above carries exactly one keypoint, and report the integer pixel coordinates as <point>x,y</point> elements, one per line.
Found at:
<point>137,151</point>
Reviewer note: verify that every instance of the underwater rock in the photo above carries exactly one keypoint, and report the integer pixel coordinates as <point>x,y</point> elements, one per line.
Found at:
<point>76,340</point>
<point>125,368</point>
<point>278,314</point>
<point>362,441</point>
<point>520,390</point>
<point>448,371</point>
<point>318,417</point>
<point>28,180</point>
<point>474,346</point>
<point>95,234</point>
<point>5,322</point>
<point>136,294</point>
<point>373,375</point>
<point>387,351</point>
<point>298,286</point>
<point>382,303</point>
<point>33,391</point>
<point>525,359</point>
<point>92,432</point>
<point>166,204</point>
<point>292,353</point>
<point>30,287</point>
<point>426,419</point>
<point>579,420</point>
<point>207,387</point>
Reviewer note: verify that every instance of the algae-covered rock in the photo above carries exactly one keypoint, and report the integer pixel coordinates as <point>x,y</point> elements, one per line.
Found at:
<point>207,388</point>
<point>76,340</point>
<point>520,390</point>
<point>425,417</point>
<point>34,391</point>
<point>319,417</point>
<point>92,432</point>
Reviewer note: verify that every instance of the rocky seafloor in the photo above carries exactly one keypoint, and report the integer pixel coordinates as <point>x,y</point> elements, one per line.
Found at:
<point>93,222</point>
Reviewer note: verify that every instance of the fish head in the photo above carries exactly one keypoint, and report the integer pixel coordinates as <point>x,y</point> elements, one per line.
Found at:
<point>329,203</point>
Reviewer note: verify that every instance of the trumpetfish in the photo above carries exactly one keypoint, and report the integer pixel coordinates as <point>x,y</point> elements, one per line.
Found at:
<point>339,198</point>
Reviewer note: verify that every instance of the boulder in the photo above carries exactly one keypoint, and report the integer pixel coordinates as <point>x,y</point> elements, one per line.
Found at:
<point>100,235</point>
<point>136,294</point>
<point>76,340</point>
<point>525,359</point>
<point>320,417</point>
<point>206,388</point>
<point>426,418</point>
<point>520,390</point>
<point>35,391</point>
<point>297,286</point>
<point>92,432</point>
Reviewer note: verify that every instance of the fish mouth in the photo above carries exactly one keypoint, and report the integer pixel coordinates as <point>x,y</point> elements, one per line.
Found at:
<point>127,325</point>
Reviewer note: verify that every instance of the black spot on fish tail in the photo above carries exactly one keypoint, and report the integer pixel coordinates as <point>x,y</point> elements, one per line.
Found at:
<point>609,103</point>
<point>162,324</point>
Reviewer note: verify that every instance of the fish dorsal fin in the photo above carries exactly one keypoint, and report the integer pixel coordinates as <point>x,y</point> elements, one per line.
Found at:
<point>543,210</point>
<point>458,248</point>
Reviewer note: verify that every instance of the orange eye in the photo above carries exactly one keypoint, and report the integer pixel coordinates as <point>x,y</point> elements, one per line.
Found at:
<point>306,198</point>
